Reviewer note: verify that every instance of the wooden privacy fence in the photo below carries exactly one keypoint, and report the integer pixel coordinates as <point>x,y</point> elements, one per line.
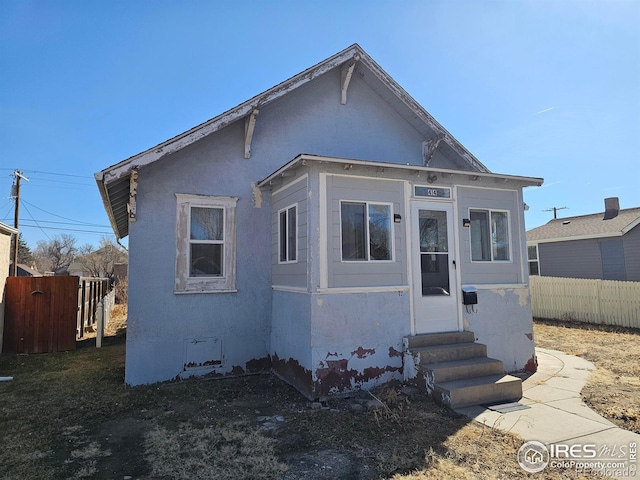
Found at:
<point>47,314</point>
<point>593,301</point>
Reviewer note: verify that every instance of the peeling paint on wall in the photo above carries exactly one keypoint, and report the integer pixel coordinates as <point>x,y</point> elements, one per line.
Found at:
<point>532,365</point>
<point>363,352</point>
<point>257,195</point>
<point>499,291</point>
<point>293,373</point>
<point>523,296</point>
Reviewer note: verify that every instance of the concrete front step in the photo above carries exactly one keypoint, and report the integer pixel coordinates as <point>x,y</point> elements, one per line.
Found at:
<point>447,353</point>
<point>465,368</point>
<point>479,390</point>
<point>447,338</point>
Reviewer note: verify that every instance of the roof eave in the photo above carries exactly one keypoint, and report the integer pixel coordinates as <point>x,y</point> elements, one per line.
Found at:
<point>104,195</point>
<point>525,181</point>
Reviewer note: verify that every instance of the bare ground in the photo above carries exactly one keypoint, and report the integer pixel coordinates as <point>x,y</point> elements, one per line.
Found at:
<point>613,390</point>
<point>68,415</point>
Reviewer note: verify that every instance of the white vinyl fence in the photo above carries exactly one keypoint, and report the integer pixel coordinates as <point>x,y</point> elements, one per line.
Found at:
<point>592,301</point>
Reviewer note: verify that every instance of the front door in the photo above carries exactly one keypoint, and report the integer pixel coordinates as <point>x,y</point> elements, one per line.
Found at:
<point>434,269</point>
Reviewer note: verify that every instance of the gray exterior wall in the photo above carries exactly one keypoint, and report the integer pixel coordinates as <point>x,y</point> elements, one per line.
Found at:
<point>616,258</point>
<point>361,273</point>
<point>510,272</point>
<point>235,328</point>
<point>291,274</point>
<point>574,259</point>
<point>631,243</point>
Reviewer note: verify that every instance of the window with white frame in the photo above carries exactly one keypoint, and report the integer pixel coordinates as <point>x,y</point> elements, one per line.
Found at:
<point>206,255</point>
<point>489,235</point>
<point>532,256</point>
<point>366,231</point>
<point>288,234</point>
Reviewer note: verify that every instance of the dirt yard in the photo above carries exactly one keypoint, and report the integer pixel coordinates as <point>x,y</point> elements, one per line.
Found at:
<point>68,415</point>
<point>613,390</point>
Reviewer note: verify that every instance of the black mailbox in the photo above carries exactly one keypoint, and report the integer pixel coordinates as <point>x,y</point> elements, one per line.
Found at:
<point>469,296</point>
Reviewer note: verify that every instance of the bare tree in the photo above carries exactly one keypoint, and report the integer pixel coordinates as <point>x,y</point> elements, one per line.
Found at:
<point>100,262</point>
<point>57,252</point>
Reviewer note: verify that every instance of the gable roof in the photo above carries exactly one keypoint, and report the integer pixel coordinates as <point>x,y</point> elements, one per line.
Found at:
<point>113,182</point>
<point>585,227</point>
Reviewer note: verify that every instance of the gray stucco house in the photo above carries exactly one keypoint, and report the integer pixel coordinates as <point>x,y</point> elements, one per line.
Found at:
<point>324,230</point>
<point>603,245</point>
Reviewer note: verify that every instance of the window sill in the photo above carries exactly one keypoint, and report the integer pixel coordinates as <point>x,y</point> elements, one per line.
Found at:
<point>191,292</point>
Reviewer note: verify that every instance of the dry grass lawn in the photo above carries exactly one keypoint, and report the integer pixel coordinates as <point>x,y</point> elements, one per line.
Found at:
<point>68,415</point>
<point>613,390</point>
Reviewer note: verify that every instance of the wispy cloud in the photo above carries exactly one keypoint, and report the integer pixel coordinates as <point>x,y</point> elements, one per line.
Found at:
<point>545,110</point>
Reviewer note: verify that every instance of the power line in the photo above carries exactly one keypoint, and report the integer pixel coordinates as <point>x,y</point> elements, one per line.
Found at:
<point>64,218</point>
<point>51,173</point>
<point>69,229</point>
<point>29,212</point>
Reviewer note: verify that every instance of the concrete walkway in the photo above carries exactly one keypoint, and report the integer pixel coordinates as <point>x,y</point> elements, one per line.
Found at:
<point>556,413</point>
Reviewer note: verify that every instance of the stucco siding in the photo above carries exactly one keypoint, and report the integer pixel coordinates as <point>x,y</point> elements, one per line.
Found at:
<point>574,259</point>
<point>291,274</point>
<point>356,340</point>
<point>237,326</point>
<point>291,339</point>
<point>364,273</point>
<point>490,272</point>
<point>504,323</point>
<point>631,242</point>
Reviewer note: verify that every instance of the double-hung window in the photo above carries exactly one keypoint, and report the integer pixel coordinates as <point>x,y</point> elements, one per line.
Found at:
<point>288,234</point>
<point>489,235</point>
<point>366,231</point>
<point>206,254</point>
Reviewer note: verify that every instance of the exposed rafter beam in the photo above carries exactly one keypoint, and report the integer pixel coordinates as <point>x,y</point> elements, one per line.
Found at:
<point>347,73</point>
<point>249,125</point>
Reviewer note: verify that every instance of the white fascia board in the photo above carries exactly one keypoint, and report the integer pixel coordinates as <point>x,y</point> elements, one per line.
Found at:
<point>525,181</point>
<point>631,226</point>
<point>6,229</point>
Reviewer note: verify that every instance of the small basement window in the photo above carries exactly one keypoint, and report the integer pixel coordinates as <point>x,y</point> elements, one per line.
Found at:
<point>489,235</point>
<point>366,231</point>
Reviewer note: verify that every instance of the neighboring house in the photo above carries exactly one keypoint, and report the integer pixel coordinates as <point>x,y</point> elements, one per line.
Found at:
<point>76,268</point>
<point>5,259</point>
<point>25,270</point>
<point>603,245</point>
<point>249,254</point>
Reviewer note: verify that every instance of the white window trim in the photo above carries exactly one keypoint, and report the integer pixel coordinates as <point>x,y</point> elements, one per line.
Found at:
<point>537,259</point>
<point>492,261</point>
<point>185,284</point>
<point>367,238</point>
<point>286,209</point>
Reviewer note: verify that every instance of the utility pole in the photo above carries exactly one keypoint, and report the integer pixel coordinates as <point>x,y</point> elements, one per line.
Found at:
<point>555,211</point>
<point>18,176</point>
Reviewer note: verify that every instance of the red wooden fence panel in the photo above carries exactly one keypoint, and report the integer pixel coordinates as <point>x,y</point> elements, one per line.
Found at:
<point>40,314</point>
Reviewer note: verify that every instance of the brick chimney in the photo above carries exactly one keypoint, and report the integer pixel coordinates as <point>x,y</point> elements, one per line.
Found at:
<point>611,208</point>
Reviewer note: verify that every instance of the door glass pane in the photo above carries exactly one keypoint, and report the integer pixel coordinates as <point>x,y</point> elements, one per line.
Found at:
<point>380,232</point>
<point>435,273</point>
<point>433,231</point>
<point>353,231</point>
<point>206,223</point>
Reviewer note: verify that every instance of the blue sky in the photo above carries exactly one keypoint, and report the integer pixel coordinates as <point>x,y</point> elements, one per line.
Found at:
<point>536,88</point>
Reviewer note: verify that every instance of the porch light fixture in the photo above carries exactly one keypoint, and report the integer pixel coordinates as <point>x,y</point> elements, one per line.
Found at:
<point>432,177</point>
<point>397,218</point>
<point>466,222</point>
